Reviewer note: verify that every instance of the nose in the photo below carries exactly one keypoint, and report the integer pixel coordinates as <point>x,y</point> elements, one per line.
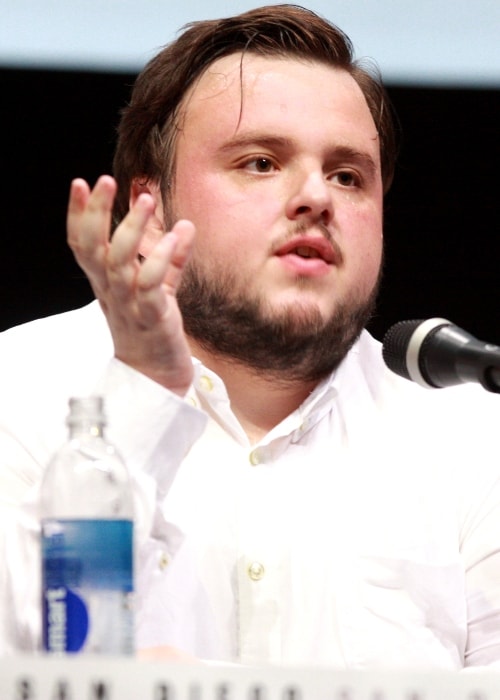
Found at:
<point>311,199</point>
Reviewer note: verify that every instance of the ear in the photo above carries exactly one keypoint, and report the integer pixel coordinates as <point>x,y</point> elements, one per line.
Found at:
<point>155,228</point>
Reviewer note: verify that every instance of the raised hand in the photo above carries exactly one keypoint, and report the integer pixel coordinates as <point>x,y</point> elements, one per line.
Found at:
<point>137,298</point>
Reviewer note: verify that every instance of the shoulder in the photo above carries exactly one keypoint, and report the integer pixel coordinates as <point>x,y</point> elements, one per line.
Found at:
<point>83,330</point>
<point>82,318</point>
<point>63,350</point>
<point>455,417</point>
<point>439,443</point>
<point>366,361</point>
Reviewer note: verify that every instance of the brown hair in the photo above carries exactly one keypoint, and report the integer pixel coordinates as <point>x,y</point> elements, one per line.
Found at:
<point>148,127</point>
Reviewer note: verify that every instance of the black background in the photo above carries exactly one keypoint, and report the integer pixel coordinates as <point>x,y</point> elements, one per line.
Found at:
<point>442,230</point>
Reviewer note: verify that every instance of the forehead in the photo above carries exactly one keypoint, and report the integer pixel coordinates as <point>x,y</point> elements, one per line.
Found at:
<point>252,91</point>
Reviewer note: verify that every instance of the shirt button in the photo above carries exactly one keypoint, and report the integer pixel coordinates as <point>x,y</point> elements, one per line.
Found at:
<point>255,571</point>
<point>163,562</point>
<point>254,458</point>
<point>206,384</point>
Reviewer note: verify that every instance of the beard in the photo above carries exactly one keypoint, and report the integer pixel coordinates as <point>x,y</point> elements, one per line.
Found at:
<point>288,344</point>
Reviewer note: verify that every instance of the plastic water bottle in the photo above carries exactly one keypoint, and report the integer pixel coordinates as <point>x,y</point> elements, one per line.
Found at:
<point>87,541</point>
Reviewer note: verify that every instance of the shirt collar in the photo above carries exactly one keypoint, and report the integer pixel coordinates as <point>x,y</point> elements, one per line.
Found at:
<point>208,392</point>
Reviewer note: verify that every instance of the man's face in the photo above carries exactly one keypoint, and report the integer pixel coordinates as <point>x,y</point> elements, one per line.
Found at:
<point>278,167</point>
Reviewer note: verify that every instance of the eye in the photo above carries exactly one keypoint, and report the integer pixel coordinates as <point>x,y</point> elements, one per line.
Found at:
<point>346,178</point>
<point>260,165</point>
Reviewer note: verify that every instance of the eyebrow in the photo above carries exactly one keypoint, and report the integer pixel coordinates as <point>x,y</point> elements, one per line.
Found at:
<point>256,139</point>
<point>337,152</point>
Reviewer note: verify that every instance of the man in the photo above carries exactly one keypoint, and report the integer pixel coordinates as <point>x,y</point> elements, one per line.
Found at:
<point>310,506</point>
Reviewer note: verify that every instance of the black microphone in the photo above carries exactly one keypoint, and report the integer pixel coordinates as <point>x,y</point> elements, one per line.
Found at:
<point>435,353</point>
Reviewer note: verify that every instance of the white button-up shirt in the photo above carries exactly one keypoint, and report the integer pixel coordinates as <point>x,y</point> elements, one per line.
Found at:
<point>362,531</point>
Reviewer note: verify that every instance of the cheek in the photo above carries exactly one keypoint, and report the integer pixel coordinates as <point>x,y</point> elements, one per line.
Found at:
<point>221,241</point>
<point>365,248</point>
<point>227,222</point>
<point>369,269</point>
<point>200,199</point>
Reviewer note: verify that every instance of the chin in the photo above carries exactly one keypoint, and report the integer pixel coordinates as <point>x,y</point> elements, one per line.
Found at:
<point>300,307</point>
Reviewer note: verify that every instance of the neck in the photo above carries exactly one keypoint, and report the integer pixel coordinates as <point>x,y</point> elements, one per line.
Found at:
<point>260,401</point>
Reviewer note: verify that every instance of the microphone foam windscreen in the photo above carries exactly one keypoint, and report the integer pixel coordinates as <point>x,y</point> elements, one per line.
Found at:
<point>395,346</point>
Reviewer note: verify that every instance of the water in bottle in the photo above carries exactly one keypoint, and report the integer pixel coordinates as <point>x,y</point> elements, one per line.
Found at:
<point>87,541</point>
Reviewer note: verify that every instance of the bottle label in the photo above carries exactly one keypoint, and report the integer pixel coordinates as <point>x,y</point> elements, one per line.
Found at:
<point>87,585</point>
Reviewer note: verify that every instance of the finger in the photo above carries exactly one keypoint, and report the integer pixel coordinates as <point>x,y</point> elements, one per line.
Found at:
<point>78,196</point>
<point>122,261</point>
<point>151,294</point>
<point>185,232</point>
<point>161,272</point>
<point>89,223</point>
<point>154,268</point>
<point>128,235</point>
<point>87,208</point>
<point>167,259</point>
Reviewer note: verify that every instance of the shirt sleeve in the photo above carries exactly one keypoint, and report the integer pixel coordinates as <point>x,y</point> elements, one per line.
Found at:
<point>153,428</point>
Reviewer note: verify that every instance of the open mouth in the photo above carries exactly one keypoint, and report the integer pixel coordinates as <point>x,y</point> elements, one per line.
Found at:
<point>305,252</point>
<point>308,248</point>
